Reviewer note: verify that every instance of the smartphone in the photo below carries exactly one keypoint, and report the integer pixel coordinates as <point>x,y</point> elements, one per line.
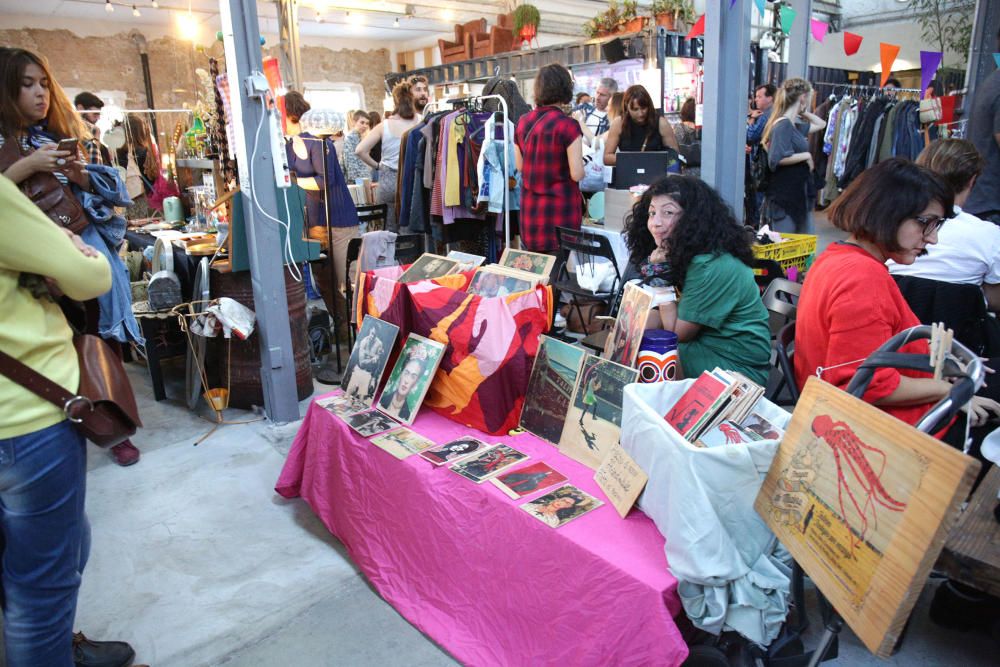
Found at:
<point>70,145</point>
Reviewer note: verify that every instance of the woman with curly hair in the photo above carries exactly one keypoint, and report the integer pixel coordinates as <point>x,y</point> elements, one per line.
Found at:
<point>688,249</point>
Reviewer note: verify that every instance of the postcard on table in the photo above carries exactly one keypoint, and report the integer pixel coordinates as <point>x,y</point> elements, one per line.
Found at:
<point>561,506</point>
<point>488,463</point>
<point>622,345</point>
<point>455,450</point>
<point>368,359</point>
<point>342,406</point>
<point>550,387</point>
<point>426,267</point>
<point>594,419</point>
<point>370,422</point>
<point>411,378</point>
<point>532,262</point>
<point>402,442</point>
<point>528,479</point>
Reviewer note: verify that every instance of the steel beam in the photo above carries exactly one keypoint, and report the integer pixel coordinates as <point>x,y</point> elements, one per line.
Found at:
<point>798,39</point>
<point>727,80</point>
<point>241,37</point>
<point>289,47</point>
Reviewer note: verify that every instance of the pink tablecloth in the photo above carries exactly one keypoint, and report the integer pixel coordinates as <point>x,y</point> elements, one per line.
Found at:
<point>468,567</point>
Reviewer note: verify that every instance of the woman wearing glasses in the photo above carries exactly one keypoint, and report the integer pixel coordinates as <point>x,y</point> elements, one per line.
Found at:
<point>850,305</point>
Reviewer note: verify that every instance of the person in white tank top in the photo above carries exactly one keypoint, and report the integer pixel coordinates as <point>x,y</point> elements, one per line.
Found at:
<point>403,117</point>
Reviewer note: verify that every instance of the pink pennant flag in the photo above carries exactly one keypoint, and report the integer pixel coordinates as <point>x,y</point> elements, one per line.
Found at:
<point>819,29</point>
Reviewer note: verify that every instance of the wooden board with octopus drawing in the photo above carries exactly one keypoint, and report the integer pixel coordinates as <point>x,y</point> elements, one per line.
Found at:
<point>864,503</point>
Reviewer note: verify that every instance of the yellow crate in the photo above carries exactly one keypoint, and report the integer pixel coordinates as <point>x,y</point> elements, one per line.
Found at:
<point>798,246</point>
<point>801,263</point>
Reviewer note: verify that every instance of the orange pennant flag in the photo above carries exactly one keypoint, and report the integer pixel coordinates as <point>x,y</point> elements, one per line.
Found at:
<point>888,53</point>
<point>698,29</point>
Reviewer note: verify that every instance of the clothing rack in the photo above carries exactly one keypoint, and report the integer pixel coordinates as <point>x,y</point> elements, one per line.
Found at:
<point>864,87</point>
<point>506,167</point>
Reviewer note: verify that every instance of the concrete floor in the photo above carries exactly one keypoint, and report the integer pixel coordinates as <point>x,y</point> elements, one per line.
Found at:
<point>196,561</point>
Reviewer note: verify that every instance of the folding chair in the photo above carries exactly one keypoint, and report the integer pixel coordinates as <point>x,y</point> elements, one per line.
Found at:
<point>785,348</point>
<point>781,298</point>
<point>586,248</point>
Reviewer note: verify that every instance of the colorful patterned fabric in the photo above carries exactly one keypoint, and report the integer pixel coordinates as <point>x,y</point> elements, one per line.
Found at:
<point>491,342</point>
<point>549,197</point>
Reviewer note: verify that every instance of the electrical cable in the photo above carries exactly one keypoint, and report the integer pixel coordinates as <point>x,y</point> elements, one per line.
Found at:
<point>286,253</point>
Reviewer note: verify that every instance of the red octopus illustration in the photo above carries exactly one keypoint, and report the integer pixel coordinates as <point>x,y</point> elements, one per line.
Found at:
<point>733,436</point>
<point>845,442</point>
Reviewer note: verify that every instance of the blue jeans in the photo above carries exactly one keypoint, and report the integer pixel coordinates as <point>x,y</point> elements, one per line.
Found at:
<point>42,489</point>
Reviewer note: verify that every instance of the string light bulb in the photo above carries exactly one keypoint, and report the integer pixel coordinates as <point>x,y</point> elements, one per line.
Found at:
<point>395,22</point>
<point>108,7</point>
<point>135,11</point>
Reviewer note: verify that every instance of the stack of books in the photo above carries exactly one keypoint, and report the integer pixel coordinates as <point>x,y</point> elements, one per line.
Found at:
<point>719,409</point>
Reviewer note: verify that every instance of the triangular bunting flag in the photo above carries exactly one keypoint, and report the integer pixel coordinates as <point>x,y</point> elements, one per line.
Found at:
<point>698,29</point>
<point>760,7</point>
<point>732,3</point>
<point>887,54</point>
<point>818,29</point>
<point>996,57</point>
<point>929,63</point>
<point>852,43</point>
<point>787,19</point>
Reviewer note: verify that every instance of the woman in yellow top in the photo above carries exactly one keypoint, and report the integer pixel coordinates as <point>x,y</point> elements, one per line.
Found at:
<point>42,457</point>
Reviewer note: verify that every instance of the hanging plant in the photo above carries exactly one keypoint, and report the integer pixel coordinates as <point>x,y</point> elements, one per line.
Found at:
<point>526,16</point>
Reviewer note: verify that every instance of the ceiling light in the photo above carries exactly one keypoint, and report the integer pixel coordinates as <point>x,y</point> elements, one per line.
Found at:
<point>155,4</point>
<point>448,15</point>
<point>135,11</point>
<point>188,26</point>
<point>108,7</point>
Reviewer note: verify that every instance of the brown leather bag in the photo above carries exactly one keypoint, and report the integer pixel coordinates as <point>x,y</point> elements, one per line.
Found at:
<point>103,409</point>
<point>54,199</point>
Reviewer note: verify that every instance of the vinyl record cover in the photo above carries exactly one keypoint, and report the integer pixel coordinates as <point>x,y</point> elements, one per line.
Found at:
<point>426,267</point>
<point>561,506</point>
<point>370,422</point>
<point>594,419</point>
<point>455,450</point>
<point>410,378</point>
<point>402,442</point>
<point>528,479</point>
<point>488,463</point>
<point>550,388</point>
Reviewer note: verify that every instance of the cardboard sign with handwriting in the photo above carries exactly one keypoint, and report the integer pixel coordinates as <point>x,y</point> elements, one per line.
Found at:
<point>621,479</point>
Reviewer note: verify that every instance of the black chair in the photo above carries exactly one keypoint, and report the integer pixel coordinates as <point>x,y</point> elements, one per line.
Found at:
<point>353,252</point>
<point>373,216</point>
<point>588,248</point>
<point>409,247</point>
<point>785,346</point>
<point>959,307</point>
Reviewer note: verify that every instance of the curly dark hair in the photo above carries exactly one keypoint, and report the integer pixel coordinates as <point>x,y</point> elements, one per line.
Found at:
<point>706,226</point>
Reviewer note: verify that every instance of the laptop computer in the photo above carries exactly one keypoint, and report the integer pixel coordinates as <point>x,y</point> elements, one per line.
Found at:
<point>640,168</point>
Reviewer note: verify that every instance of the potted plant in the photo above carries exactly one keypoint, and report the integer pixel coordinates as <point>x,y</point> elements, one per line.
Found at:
<point>672,13</point>
<point>630,20</point>
<point>526,19</point>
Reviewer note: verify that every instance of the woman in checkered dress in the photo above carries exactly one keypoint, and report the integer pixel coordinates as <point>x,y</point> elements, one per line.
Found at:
<point>549,154</point>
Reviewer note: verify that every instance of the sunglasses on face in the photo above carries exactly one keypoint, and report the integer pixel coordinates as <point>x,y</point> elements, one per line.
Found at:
<point>930,223</point>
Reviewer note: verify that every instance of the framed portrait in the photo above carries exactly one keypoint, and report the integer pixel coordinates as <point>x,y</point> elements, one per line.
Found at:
<point>455,450</point>
<point>368,360</point>
<point>410,378</point>
<point>370,422</point>
<point>550,388</point>
<point>426,267</point>
<point>622,345</point>
<point>561,506</point>
<point>594,419</point>
<point>530,262</point>
<point>490,281</point>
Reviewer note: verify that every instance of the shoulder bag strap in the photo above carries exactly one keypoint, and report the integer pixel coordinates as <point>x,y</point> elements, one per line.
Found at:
<point>37,383</point>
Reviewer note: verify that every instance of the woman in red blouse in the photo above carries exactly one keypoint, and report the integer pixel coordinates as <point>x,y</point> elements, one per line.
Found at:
<point>850,305</point>
<point>548,151</point>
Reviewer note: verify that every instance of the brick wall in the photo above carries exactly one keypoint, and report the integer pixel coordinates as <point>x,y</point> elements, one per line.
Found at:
<point>112,63</point>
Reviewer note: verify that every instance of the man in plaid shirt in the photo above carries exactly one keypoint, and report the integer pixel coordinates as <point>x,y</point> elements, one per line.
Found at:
<point>89,106</point>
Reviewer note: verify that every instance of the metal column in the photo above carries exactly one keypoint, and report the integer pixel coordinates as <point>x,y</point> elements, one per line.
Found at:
<point>984,41</point>
<point>288,44</point>
<point>241,36</point>
<point>727,80</point>
<point>798,40</point>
